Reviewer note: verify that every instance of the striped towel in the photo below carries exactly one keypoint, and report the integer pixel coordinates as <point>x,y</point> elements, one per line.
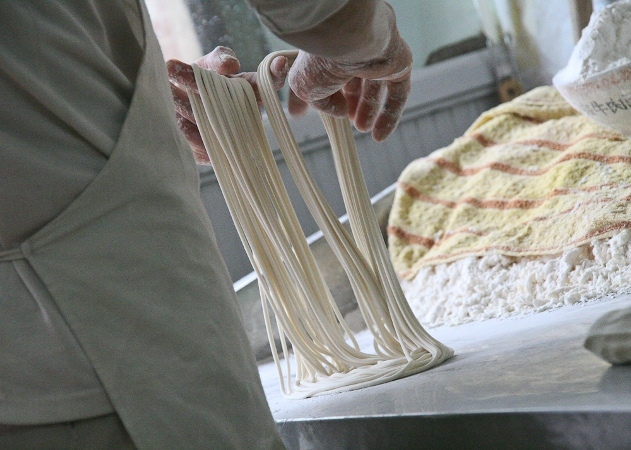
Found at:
<point>530,177</point>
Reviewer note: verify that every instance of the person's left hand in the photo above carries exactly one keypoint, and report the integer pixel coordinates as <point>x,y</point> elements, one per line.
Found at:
<point>223,61</point>
<point>372,93</point>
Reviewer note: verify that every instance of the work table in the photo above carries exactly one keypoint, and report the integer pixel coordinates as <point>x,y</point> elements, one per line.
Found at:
<point>524,382</point>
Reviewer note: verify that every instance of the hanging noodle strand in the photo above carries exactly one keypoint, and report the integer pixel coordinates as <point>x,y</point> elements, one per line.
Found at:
<point>326,354</point>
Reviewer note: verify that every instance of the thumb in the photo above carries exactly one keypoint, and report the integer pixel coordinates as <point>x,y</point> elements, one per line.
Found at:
<point>222,60</point>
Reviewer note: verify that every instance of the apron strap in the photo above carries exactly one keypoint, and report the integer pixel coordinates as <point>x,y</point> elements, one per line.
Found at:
<point>14,254</point>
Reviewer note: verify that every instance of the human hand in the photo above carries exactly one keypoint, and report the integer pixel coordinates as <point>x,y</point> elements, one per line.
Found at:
<point>223,61</point>
<point>371,93</point>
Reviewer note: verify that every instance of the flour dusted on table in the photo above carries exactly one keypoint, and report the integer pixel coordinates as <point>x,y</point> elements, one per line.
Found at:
<point>604,44</point>
<point>497,286</point>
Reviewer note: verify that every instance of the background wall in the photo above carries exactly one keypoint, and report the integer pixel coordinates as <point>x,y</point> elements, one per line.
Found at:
<point>173,24</point>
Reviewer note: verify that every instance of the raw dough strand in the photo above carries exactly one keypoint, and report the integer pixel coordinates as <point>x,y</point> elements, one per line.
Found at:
<point>361,214</point>
<point>326,353</point>
<point>242,193</point>
<point>342,244</point>
<point>368,237</point>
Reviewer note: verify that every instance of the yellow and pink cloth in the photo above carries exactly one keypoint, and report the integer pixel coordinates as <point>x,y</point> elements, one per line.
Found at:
<point>530,177</point>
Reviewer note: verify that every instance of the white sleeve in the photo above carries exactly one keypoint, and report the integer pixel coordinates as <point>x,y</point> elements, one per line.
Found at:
<point>291,16</point>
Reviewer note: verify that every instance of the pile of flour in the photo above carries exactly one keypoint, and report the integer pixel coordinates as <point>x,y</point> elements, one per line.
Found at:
<point>497,286</point>
<point>604,44</point>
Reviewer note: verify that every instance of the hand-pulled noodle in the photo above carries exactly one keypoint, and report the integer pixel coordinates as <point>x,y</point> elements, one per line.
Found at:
<point>326,353</point>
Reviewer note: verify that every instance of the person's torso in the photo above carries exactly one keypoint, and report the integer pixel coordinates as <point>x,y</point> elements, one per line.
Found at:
<point>66,81</point>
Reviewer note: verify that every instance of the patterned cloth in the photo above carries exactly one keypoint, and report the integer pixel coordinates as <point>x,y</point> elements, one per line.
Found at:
<point>530,177</point>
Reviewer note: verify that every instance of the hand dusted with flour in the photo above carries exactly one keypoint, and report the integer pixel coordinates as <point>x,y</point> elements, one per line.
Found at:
<point>223,61</point>
<point>367,78</point>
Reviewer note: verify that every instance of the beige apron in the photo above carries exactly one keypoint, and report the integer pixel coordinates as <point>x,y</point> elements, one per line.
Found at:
<point>134,269</point>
